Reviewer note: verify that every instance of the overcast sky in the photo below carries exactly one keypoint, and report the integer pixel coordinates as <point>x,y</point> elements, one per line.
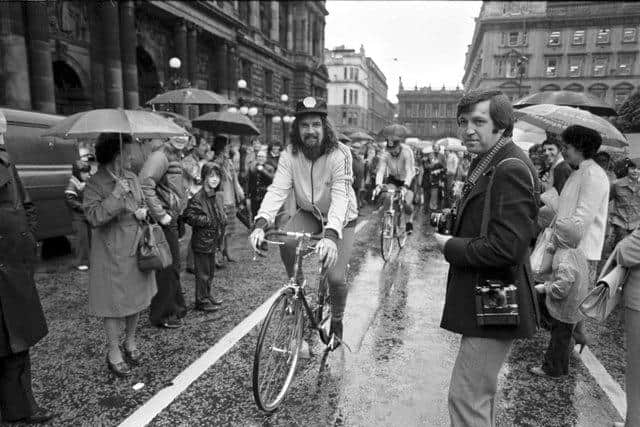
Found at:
<point>428,38</point>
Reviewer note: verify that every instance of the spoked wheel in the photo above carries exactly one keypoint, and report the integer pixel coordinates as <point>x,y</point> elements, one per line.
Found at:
<point>401,229</point>
<point>277,349</point>
<point>387,237</point>
<point>322,311</point>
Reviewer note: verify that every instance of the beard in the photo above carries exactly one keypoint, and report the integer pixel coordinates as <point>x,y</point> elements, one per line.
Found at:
<point>312,151</point>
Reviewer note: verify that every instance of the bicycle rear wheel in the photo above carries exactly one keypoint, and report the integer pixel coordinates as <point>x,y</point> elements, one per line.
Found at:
<point>386,237</point>
<point>277,349</point>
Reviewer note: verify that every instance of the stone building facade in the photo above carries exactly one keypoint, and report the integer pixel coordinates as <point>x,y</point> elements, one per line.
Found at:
<point>68,56</point>
<point>523,47</point>
<point>357,91</point>
<point>429,114</point>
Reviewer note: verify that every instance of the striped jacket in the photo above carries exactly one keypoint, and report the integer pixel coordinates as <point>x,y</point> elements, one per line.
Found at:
<point>325,183</point>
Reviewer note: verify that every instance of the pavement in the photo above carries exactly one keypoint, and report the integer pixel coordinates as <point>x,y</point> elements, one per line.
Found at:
<point>397,372</point>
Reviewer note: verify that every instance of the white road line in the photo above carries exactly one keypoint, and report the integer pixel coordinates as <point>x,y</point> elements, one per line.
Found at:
<point>611,388</point>
<point>147,412</point>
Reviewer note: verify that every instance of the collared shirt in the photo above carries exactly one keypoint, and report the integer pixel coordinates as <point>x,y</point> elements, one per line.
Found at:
<point>401,167</point>
<point>585,196</point>
<point>625,195</point>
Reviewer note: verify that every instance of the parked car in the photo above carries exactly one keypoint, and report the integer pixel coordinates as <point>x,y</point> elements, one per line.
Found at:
<point>44,164</point>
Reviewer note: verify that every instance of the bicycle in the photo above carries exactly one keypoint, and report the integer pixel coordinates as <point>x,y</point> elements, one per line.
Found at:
<point>280,337</point>
<point>393,225</point>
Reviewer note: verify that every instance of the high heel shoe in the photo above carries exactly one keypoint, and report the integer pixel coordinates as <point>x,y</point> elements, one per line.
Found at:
<point>120,369</point>
<point>134,357</point>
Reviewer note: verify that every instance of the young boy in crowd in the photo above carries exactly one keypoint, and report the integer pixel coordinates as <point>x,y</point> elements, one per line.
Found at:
<point>80,173</point>
<point>565,291</point>
<point>205,214</point>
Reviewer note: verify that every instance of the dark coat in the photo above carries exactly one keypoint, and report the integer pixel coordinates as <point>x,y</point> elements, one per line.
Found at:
<point>358,172</point>
<point>502,255</point>
<point>206,215</point>
<point>561,174</point>
<point>22,322</point>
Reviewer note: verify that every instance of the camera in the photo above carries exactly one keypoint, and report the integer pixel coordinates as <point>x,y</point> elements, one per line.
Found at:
<point>443,221</point>
<point>497,304</point>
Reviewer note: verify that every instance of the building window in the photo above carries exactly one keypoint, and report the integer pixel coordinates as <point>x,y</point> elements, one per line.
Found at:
<point>551,67</point>
<point>265,18</point>
<point>554,38</point>
<point>356,74</point>
<point>245,72</point>
<point>344,96</point>
<point>625,63</point>
<point>514,38</point>
<point>243,11</point>
<point>344,113</point>
<point>600,64</point>
<point>599,91</point>
<point>603,36</point>
<point>620,94</point>
<point>578,37</point>
<point>268,127</point>
<point>286,86</point>
<point>283,23</point>
<point>355,97</point>
<point>576,64</point>
<point>345,73</point>
<point>628,35</point>
<point>500,67</point>
<point>268,83</point>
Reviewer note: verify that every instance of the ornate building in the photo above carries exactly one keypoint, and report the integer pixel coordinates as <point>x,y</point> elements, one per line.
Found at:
<point>522,47</point>
<point>357,91</point>
<point>68,56</point>
<point>429,114</point>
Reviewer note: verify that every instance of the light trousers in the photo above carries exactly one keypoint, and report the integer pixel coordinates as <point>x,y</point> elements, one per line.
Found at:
<point>474,381</point>
<point>632,375</point>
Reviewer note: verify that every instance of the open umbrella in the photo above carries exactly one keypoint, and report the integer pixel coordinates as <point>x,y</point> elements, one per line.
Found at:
<point>178,119</point>
<point>556,118</point>
<point>343,138</point>
<point>446,142</point>
<point>394,130</point>
<point>526,135</point>
<point>360,136</point>
<point>226,122</point>
<point>568,98</point>
<point>190,95</point>
<point>138,123</point>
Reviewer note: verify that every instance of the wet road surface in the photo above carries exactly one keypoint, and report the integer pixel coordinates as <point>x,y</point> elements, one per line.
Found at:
<point>397,372</point>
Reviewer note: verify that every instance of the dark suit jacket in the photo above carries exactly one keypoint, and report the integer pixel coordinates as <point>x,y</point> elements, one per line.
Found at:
<point>561,174</point>
<point>503,254</point>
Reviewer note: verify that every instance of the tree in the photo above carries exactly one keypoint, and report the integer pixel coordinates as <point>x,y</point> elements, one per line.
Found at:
<point>628,120</point>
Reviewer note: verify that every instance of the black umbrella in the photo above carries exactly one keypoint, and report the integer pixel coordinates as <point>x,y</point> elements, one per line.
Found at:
<point>581,100</point>
<point>226,122</point>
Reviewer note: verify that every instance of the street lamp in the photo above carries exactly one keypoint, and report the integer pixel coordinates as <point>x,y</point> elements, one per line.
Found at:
<point>522,68</point>
<point>253,111</point>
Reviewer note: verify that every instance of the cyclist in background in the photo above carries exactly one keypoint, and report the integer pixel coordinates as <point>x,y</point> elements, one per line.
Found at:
<point>398,166</point>
<point>319,170</point>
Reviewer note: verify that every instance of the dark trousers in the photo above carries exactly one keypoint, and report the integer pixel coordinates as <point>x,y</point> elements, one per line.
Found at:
<point>83,241</point>
<point>556,359</point>
<point>168,302</point>
<point>16,397</point>
<point>205,265</point>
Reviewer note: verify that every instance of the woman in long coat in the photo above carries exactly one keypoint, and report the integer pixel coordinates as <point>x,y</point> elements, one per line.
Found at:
<point>118,290</point>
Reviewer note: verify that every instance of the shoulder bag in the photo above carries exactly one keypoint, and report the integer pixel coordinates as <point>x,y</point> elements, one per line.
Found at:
<point>602,299</point>
<point>153,252</point>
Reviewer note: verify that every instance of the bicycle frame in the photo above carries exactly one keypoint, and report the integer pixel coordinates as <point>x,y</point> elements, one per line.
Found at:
<point>397,205</point>
<point>303,244</point>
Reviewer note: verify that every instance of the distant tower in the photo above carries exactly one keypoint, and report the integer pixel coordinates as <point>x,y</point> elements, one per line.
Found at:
<point>400,88</point>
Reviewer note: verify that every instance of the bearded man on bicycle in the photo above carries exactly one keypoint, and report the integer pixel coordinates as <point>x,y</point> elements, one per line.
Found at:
<point>319,170</point>
<point>398,166</point>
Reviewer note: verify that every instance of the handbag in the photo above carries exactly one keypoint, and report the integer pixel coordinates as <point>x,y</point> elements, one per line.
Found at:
<point>602,299</point>
<point>243,214</point>
<point>153,252</point>
<point>541,259</point>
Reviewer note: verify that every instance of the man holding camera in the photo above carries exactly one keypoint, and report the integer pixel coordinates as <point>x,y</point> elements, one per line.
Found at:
<point>490,298</point>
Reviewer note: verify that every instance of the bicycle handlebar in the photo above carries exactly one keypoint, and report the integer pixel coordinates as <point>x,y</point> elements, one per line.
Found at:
<point>293,234</point>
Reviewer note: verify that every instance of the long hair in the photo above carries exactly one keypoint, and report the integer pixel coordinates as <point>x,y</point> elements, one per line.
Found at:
<point>329,142</point>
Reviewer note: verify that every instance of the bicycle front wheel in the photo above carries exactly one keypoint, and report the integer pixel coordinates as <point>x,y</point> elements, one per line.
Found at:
<point>401,229</point>
<point>387,237</point>
<point>277,350</point>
